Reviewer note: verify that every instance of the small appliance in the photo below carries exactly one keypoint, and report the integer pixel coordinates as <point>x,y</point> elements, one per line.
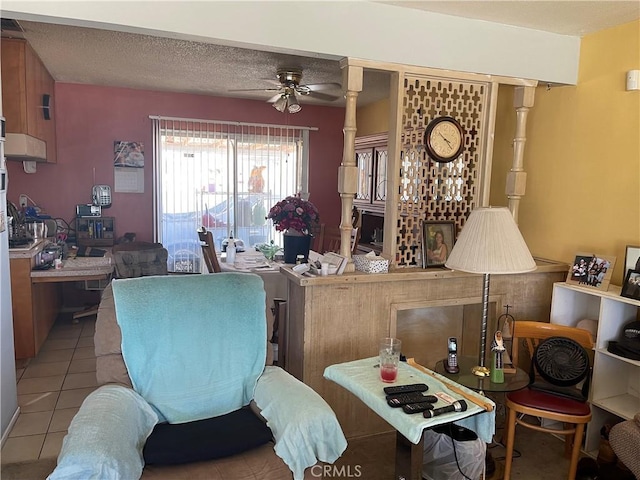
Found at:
<point>88,210</point>
<point>46,258</point>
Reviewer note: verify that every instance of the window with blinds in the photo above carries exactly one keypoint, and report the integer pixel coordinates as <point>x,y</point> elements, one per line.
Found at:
<point>223,176</point>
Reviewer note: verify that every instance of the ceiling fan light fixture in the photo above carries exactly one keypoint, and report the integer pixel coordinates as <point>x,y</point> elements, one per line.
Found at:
<point>294,105</point>
<point>281,103</point>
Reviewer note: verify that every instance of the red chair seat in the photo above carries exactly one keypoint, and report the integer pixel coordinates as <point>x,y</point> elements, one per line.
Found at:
<point>551,403</point>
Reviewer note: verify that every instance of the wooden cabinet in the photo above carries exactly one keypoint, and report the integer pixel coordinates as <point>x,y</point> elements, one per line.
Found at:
<point>615,384</point>
<point>35,307</point>
<point>338,319</point>
<point>27,86</point>
<point>371,159</point>
<point>95,231</point>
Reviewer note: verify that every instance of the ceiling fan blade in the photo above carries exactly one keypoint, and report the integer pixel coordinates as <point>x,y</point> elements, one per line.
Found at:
<point>274,98</point>
<point>254,90</point>
<point>323,86</point>
<point>322,96</point>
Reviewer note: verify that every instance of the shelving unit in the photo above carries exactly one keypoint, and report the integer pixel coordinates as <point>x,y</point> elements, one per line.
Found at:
<point>615,384</point>
<point>95,231</point>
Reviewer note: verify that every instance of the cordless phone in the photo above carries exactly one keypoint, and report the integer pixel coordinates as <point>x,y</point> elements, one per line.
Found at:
<point>451,362</point>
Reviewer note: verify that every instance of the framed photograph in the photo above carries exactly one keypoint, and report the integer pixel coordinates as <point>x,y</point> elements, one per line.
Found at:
<point>631,285</point>
<point>437,241</point>
<point>591,270</point>
<point>632,258</point>
<point>128,154</point>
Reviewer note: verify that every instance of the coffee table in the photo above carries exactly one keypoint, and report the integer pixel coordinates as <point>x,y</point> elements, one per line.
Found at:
<point>362,378</point>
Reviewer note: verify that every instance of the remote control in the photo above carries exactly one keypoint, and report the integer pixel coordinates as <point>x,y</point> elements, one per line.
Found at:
<point>415,387</point>
<point>417,407</point>
<point>415,397</point>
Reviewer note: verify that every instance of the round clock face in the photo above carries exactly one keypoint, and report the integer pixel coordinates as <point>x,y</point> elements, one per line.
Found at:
<point>444,139</point>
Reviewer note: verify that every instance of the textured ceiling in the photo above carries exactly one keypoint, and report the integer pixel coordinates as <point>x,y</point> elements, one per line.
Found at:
<point>102,57</point>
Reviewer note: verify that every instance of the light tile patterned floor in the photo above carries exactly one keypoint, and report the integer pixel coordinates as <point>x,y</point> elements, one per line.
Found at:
<point>51,388</point>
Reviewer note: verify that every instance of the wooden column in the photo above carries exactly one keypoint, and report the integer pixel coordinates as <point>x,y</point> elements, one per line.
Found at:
<point>348,171</point>
<point>517,177</point>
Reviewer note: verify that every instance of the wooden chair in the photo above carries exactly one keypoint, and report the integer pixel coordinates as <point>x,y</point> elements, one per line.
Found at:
<point>574,414</point>
<point>209,250</point>
<point>318,237</point>
<point>332,239</point>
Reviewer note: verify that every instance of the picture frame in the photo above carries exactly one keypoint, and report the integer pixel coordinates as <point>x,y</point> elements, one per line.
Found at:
<point>435,251</point>
<point>631,258</point>
<point>591,270</point>
<point>631,285</point>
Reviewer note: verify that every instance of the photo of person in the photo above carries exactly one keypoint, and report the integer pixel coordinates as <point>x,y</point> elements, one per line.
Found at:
<point>632,258</point>
<point>128,154</point>
<point>438,239</point>
<point>439,250</point>
<point>591,271</point>
<point>631,286</point>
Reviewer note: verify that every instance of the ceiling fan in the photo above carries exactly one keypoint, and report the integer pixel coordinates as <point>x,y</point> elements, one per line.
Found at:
<point>288,88</point>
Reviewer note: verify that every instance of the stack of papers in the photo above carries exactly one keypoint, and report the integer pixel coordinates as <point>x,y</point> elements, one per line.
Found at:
<point>338,262</point>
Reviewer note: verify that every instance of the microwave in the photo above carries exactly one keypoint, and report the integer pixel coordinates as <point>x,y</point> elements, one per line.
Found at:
<point>88,210</point>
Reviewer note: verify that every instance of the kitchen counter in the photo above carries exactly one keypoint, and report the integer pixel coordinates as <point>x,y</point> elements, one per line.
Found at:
<point>36,295</point>
<point>27,251</point>
<point>76,269</point>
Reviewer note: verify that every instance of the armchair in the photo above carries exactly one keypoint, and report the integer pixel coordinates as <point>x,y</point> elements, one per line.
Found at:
<point>177,351</point>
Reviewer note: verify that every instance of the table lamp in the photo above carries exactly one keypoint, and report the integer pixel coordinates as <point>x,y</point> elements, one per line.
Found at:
<point>489,243</point>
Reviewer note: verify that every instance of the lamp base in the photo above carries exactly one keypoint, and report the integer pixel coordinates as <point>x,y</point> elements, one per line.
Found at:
<point>480,371</point>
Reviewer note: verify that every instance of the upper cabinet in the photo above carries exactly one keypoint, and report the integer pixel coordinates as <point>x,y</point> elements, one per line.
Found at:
<point>371,158</point>
<point>27,102</point>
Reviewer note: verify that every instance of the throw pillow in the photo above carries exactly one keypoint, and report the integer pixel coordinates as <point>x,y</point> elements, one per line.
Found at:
<point>208,439</point>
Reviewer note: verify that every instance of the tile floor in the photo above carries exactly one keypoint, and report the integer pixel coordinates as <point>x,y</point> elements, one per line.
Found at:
<point>51,388</point>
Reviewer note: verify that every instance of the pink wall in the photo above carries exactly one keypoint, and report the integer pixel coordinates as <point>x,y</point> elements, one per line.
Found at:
<point>90,118</point>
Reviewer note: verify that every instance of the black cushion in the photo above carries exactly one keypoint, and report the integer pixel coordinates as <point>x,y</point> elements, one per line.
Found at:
<point>208,439</point>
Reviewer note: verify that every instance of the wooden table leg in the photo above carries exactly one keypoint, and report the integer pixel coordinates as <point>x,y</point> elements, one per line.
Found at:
<point>408,458</point>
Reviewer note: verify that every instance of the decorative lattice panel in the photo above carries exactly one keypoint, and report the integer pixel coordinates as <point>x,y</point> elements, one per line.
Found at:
<point>429,190</point>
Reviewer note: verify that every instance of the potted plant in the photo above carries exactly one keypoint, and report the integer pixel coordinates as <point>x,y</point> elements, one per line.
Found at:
<point>295,217</point>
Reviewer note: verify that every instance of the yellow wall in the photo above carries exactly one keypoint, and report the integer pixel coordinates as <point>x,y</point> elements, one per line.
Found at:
<point>582,156</point>
<point>373,118</point>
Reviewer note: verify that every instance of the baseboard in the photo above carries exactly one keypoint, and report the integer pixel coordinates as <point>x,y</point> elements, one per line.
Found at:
<point>13,421</point>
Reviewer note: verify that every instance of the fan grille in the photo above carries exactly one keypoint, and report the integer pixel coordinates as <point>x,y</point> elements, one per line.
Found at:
<point>561,361</point>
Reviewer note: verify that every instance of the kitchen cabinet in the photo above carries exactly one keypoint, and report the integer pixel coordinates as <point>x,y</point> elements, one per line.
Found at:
<point>27,87</point>
<point>371,159</point>
<point>615,385</point>
<point>95,231</point>
<point>35,305</point>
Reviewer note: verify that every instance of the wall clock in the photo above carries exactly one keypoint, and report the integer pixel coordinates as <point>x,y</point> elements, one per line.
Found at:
<point>444,139</point>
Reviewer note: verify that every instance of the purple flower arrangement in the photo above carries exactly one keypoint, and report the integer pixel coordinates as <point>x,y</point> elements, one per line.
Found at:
<point>294,213</point>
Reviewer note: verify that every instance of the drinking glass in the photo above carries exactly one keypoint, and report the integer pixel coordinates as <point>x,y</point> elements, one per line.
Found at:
<point>389,358</point>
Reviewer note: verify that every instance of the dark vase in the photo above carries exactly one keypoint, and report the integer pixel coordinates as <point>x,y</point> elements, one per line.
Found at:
<point>295,245</point>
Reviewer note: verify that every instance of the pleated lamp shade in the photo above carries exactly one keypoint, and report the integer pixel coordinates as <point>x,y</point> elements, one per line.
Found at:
<point>490,242</point>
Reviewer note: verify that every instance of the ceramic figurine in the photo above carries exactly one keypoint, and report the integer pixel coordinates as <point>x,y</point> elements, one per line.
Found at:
<point>497,347</point>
